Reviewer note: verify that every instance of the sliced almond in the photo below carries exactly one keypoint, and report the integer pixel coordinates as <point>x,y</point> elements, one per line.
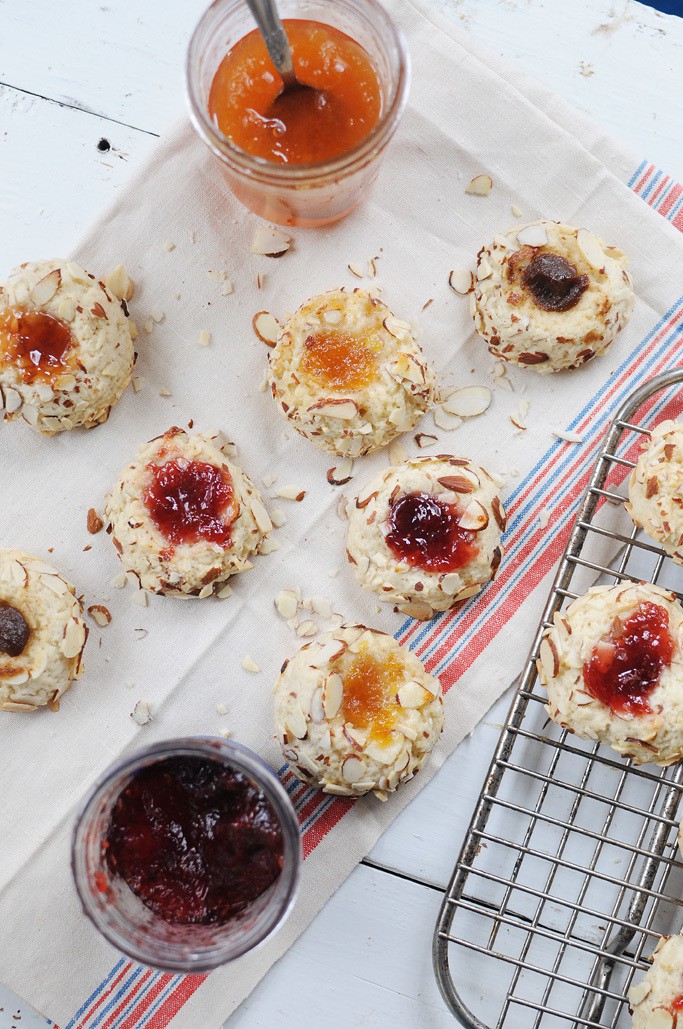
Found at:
<point>450,583</point>
<point>396,327</point>
<point>412,695</point>
<point>288,492</point>
<point>66,309</point>
<point>295,722</point>
<point>332,316</point>
<point>224,592</point>
<point>328,652</point>
<point>462,483</point>
<point>120,283</point>
<point>94,522</point>
<point>269,545</point>
<point>385,753</point>
<point>46,287</point>
<point>341,473</point>
<point>516,213</point>
<point>356,737</point>
<point>356,269</point>
<point>278,517</point>
<point>425,440</point>
<point>352,769</point>
<point>261,516</point>
<point>461,281</point>
<point>267,242</point>
<point>306,628</point>
<point>333,691</point>
<point>474,518</point>
<point>570,437</point>
<point>444,420</point>
<point>287,603</point>
<point>484,269</point>
<point>591,249</point>
<point>396,452</point>
<point>100,614</point>
<point>480,185</point>
<point>549,657</point>
<point>499,513</point>
<point>249,665</point>
<point>11,399</point>
<point>317,710</point>
<point>332,407</point>
<point>204,338</point>
<point>267,327</point>
<point>532,236</point>
<point>141,713</point>
<point>74,638</point>
<point>417,609</point>
<point>468,402</point>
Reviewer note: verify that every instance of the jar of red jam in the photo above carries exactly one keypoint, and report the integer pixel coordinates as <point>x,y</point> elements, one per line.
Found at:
<point>312,159</point>
<point>187,854</point>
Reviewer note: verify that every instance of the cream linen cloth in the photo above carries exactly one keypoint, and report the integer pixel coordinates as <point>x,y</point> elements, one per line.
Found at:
<point>468,113</point>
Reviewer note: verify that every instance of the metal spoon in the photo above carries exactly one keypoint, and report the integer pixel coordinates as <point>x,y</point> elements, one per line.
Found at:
<point>274,36</point>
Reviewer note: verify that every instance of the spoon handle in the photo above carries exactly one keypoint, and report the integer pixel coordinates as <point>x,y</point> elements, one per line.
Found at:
<point>274,36</point>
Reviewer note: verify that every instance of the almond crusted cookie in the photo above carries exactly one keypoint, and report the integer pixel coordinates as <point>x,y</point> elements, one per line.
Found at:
<point>652,1001</point>
<point>348,375</point>
<point>356,713</point>
<point>66,353</point>
<point>550,297</point>
<point>425,534</point>
<point>42,633</point>
<point>655,489</point>
<point>183,517</point>
<point>613,667</point>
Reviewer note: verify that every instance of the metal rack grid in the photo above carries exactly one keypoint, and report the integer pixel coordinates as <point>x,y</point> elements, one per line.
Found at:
<point>568,874</point>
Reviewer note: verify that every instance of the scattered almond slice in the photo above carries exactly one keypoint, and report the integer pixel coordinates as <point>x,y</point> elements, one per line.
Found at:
<point>480,185</point>
<point>396,452</point>
<point>169,245</point>
<point>94,522</point>
<point>141,713</point>
<point>148,326</point>
<point>156,315</point>
<point>356,269</point>
<point>518,417</point>
<point>249,665</point>
<point>543,517</point>
<point>468,402</point>
<point>532,236</point>
<point>100,614</point>
<point>307,628</point>
<point>204,338</point>
<point>461,281</point>
<point>163,392</point>
<point>137,382</point>
<point>224,592</point>
<point>290,493</point>
<point>340,474</point>
<point>425,439</point>
<point>269,480</point>
<point>484,269</point>
<point>446,421</point>
<point>516,213</point>
<point>268,242</point>
<point>227,288</point>
<point>372,268</point>
<point>139,598</point>
<point>269,546</point>
<point>120,581</point>
<point>267,327</point>
<point>570,437</point>
<point>221,709</point>
<point>287,603</point>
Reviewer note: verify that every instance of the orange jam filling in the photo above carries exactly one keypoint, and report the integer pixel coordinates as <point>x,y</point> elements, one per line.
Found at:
<point>677,1004</point>
<point>370,687</point>
<point>36,343</point>
<point>338,361</point>
<point>303,125</point>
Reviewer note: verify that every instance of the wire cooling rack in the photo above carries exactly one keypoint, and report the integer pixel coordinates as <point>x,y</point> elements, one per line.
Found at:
<point>569,872</point>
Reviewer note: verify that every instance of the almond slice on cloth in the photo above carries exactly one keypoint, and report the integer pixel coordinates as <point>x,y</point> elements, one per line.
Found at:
<point>480,185</point>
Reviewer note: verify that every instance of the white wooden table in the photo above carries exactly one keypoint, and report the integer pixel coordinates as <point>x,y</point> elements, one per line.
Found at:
<point>74,74</point>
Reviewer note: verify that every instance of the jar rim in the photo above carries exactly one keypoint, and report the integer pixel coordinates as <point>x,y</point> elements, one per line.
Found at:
<point>282,174</point>
<point>240,758</point>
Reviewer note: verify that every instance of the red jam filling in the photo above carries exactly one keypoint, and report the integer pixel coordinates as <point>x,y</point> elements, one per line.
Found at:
<point>677,1004</point>
<point>36,343</point>
<point>190,501</point>
<point>197,842</point>
<point>626,663</point>
<point>425,532</point>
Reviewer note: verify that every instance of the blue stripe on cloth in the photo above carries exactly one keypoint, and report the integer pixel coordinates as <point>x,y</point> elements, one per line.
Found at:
<point>114,1000</point>
<point>651,184</point>
<point>84,1007</point>
<point>637,173</point>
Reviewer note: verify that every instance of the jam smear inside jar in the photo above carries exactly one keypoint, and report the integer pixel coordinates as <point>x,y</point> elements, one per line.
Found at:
<point>36,343</point>
<point>369,698</point>
<point>625,665</point>
<point>195,840</point>
<point>425,532</point>
<point>553,282</point>
<point>339,361</point>
<point>303,125</point>
<point>190,501</point>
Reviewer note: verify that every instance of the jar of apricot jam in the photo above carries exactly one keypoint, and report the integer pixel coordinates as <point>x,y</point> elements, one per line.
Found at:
<point>311,157</point>
<point>187,854</point>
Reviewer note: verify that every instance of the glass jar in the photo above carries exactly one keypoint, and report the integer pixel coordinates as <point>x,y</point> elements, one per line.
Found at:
<point>121,916</point>
<point>306,194</point>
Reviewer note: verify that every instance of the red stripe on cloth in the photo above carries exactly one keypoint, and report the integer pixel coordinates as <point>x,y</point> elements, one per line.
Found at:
<point>678,220</point>
<point>670,200</point>
<point>147,1001</point>
<point>642,181</point>
<point>327,821</point>
<point>175,1000</point>
<point>137,986</point>
<point>103,996</point>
